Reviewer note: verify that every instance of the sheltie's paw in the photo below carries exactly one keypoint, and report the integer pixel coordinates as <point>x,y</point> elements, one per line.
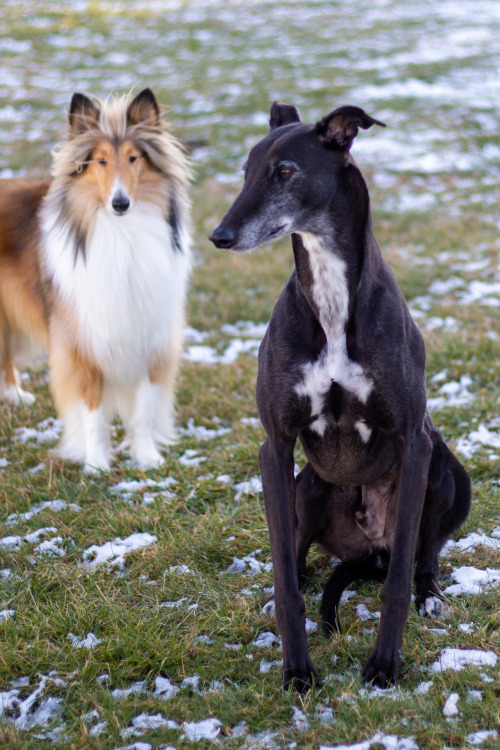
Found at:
<point>95,466</point>
<point>14,396</point>
<point>145,455</point>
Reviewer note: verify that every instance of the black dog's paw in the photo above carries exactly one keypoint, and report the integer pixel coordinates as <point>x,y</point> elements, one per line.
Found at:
<point>432,606</point>
<point>300,680</point>
<point>381,670</point>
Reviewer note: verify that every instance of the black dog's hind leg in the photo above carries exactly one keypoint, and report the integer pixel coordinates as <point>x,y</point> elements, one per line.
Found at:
<point>366,569</point>
<point>447,504</point>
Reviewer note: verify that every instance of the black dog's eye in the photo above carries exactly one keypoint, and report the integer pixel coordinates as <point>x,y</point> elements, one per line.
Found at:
<point>285,170</point>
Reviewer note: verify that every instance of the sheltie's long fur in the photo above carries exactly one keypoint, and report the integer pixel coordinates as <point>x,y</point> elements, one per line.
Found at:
<point>95,266</point>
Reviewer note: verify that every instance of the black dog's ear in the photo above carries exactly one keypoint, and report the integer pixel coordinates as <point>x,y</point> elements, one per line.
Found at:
<point>341,126</point>
<point>83,113</point>
<point>143,109</point>
<point>282,114</point>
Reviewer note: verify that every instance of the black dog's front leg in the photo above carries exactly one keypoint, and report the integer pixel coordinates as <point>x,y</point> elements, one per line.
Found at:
<point>383,665</point>
<point>276,464</point>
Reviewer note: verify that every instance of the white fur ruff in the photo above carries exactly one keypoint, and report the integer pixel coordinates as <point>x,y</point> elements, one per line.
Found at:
<point>126,301</point>
<point>330,294</point>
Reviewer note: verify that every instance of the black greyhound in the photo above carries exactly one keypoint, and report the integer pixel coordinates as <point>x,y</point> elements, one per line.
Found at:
<point>341,367</point>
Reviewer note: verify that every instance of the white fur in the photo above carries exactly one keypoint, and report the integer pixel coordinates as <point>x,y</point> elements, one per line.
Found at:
<point>330,294</point>
<point>126,297</point>
<point>14,394</point>
<point>363,430</point>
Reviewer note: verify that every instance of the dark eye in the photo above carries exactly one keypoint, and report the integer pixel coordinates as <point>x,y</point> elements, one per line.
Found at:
<point>102,161</point>
<point>285,170</point>
<point>132,159</point>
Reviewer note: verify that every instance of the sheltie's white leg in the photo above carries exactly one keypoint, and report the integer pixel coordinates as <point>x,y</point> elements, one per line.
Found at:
<point>10,390</point>
<point>77,385</point>
<point>96,440</point>
<point>143,448</point>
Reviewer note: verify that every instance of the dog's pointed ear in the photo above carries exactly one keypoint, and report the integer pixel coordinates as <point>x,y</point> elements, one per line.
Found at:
<point>341,126</point>
<point>143,109</point>
<point>282,114</point>
<point>83,113</point>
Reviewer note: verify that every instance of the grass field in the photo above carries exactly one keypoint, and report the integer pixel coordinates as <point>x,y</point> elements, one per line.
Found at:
<point>162,638</point>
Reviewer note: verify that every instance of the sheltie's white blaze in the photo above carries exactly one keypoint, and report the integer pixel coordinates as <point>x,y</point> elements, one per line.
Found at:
<point>126,299</point>
<point>330,294</point>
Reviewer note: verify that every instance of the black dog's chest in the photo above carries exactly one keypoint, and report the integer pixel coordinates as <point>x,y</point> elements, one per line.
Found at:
<point>341,442</point>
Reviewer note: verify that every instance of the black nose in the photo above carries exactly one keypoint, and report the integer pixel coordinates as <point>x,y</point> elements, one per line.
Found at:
<point>223,237</point>
<point>120,204</point>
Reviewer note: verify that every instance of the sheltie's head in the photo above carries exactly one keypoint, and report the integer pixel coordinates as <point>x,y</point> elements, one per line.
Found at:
<point>117,154</point>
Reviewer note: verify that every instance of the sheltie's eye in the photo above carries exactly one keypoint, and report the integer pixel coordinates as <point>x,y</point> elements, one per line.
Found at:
<point>102,161</point>
<point>132,159</point>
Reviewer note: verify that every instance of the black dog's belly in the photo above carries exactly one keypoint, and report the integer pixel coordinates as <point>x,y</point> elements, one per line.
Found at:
<point>340,455</point>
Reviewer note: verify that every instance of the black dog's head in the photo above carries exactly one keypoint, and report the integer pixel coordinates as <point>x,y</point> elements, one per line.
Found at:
<point>290,177</point>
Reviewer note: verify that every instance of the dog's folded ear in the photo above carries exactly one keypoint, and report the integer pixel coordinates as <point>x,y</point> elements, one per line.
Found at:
<point>143,109</point>
<point>341,126</point>
<point>83,113</point>
<point>282,114</point>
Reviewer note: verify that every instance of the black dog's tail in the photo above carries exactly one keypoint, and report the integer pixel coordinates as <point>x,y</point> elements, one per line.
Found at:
<point>365,568</point>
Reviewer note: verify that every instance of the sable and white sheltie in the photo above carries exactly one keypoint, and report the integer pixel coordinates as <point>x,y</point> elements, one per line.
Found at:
<point>95,264</point>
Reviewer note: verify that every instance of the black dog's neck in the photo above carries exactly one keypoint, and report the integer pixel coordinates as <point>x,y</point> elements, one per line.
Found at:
<point>341,255</point>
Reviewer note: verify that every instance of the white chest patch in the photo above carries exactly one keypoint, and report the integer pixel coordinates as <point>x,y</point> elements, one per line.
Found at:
<point>124,296</point>
<point>330,294</point>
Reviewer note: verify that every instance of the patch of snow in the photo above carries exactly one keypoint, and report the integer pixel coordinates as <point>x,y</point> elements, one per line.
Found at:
<point>249,565</point>
<point>266,640</point>
<point>90,641</point>
<point>470,542</point>
<point>252,486</point>
<point>196,731</point>
<point>113,553</point>
<point>470,580</point>
<point>300,720</point>
<point>52,505</point>
<point>48,430</point>
<point>477,738</point>
<point>136,687</point>
<point>179,570</point>
<point>199,432</point>
<point>266,666</point>
<point>450,707</point>
<point>455,393</point>
<point>458,659</point>
<point>6,614</point>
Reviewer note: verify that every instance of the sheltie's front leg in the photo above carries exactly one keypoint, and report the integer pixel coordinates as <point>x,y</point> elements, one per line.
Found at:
<point>77,385</point>
<point>140,426</point>
<point>10,389</point>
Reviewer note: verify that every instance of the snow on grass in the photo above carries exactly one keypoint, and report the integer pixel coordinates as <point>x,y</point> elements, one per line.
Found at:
<point>389,741</point>
<point>113,553</point>
<point>470,542</point>
<point>52,505</point>
<point>32,711</point>
<point>252,486</point>
<point>249,565</point>
<point>48,431</point>
<point>199,432</point>
<point>6,614</point>
<point>458,659</point>
<point>89,642</point>
<point>450,707</point>
<point>196,731</point>
<point>484,438</point>
<point>470,580</point>
<point>455,393</point>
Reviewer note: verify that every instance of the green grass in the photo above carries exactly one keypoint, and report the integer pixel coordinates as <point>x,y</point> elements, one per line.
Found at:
<point>215,71</point>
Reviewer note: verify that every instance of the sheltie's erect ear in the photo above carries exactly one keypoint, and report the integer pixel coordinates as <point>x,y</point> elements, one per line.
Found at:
<point>83,114</point>
<point>143,110</point>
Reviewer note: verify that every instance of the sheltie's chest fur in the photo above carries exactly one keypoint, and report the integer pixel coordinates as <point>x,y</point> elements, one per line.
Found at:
<point>119,298</point>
